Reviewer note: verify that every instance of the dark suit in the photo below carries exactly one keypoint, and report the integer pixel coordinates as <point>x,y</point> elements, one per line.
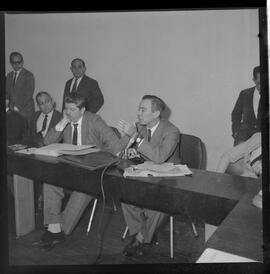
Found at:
<point>89,89</point>
<point>36,139</point>
<point>244,121</point>
<point>93,131</point>
<point>163,147</point>
<point>15,126</point>
<point>21,95</point>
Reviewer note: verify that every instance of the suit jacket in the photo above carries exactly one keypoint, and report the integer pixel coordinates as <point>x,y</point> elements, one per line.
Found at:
<point>21,95</point>
<point>244,121</point>
<point>15,126</point>
<point>36,139</point>
<point>164,143</point>
<point>94,132</point>
<point>89,89</point>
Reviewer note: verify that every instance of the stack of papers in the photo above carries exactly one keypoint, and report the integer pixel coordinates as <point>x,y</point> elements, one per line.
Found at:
<point>157,170</point>
<point>56,150</point>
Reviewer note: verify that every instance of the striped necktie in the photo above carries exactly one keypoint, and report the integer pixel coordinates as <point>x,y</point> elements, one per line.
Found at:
<point>14,78</point>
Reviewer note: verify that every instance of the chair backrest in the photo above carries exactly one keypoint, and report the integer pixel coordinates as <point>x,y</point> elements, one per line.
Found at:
<point>192,151</point>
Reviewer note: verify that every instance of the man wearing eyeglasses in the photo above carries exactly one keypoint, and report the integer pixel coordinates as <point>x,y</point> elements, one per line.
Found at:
<point>20,85</point>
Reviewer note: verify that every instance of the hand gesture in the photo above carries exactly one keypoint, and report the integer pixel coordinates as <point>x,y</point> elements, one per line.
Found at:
<point>125,128</point>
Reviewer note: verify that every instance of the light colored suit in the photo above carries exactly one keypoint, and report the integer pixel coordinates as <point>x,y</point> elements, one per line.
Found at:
<point>21,95</point>
<point>163,147</point>
<point>94,131</point>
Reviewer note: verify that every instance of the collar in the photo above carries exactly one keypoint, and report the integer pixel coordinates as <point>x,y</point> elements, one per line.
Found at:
<point>79,122</point>
<point>18,71</point>
<point>49,114</point>
<point>256,90</point>
<point>154,127</point>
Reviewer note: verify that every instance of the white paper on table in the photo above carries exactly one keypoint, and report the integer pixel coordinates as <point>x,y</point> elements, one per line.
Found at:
<point>56,149</point>
<point>157,170</point>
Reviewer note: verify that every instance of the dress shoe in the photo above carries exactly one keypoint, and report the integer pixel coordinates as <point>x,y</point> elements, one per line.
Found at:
<point>133,248</point>
<point>48,240</point>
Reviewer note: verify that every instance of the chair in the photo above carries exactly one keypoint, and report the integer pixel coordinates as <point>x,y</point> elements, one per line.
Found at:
<point>95,201</point>
<point>193,154</point>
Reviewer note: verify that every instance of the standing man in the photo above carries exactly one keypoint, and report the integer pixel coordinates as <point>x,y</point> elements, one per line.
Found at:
<point>246,115</point>
<point>20,85</point>
<point>78,127</point>
<point>158,142</point>
<point>84,86</point>
<point>43,120</point>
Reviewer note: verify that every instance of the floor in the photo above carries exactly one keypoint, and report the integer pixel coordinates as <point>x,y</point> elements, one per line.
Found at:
<point>80,249</point>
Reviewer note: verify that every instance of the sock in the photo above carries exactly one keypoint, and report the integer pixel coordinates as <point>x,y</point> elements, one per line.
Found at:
<point>54,228</point>
<point>140,237</point>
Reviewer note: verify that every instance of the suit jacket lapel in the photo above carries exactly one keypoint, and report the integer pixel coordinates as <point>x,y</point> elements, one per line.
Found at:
<point>84,131</point>
<point>156,135</point>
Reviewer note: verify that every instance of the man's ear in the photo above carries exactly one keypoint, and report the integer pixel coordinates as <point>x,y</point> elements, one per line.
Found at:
<point>156,113</point>
<point>82,110</point>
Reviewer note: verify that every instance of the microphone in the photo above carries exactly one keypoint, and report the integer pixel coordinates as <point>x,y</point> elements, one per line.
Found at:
<point>129,144</point>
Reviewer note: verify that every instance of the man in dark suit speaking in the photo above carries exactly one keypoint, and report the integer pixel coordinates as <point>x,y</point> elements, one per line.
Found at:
<point>246,115</point>
<point>83,85</point>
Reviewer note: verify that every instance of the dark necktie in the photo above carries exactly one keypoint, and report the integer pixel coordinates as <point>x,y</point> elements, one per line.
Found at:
<point>75,134</point>
<point>44,124</point>
<point>148,134</point>
<point>14,78</point>
<point>74,87</point>
<point>259,114</point>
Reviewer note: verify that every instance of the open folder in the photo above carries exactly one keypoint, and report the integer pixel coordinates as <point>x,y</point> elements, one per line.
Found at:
<point>149,168</point>
<point>57,149</point>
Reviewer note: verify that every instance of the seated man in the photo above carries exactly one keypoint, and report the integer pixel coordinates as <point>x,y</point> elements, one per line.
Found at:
<point>78,127</point>
<point>246,158</point>
<point>43,120</point>
<point>15,126</point>
<point>158,142</point>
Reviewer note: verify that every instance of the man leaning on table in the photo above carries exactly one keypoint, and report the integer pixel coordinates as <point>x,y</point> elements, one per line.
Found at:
<point>157,141</point>
<point>78,127</point>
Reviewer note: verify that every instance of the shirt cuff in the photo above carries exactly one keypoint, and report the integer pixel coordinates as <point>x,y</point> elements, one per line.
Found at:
<point>59,126</point>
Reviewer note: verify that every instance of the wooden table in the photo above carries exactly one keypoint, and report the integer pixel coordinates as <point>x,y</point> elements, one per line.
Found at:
<point>219,199</point>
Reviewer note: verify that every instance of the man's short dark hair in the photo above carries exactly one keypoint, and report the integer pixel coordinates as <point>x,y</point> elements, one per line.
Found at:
<point>39,94</point>
<point>157,103</point>
<point>78,59</point>
<point>256,70</point>
<point>14,53</point>
<point>77,99</point>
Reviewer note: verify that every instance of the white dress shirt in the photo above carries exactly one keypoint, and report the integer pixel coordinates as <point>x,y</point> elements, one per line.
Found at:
<point>40,122</point>
<point>79,130</point>
<point>73,82</point>
<point>256,99</point>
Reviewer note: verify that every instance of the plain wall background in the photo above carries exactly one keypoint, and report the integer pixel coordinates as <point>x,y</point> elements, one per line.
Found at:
<point>196,61</point>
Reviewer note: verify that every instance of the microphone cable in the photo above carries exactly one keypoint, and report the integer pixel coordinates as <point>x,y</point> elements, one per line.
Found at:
<point>100,235</point>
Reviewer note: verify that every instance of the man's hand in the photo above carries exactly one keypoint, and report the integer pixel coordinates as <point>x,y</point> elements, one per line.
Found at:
<point>62,124</point>
<point>15,108</point>
<point>125,128</point>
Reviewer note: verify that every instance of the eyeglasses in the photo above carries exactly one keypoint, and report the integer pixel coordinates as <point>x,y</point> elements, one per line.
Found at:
<point>16,62</point>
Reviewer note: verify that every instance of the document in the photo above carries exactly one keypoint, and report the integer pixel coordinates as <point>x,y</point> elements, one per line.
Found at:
<point>56,150</point>
<point>149,168</point>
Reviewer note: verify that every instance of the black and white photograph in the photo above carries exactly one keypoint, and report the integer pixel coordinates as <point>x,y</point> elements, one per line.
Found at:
<point>135,138</point>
